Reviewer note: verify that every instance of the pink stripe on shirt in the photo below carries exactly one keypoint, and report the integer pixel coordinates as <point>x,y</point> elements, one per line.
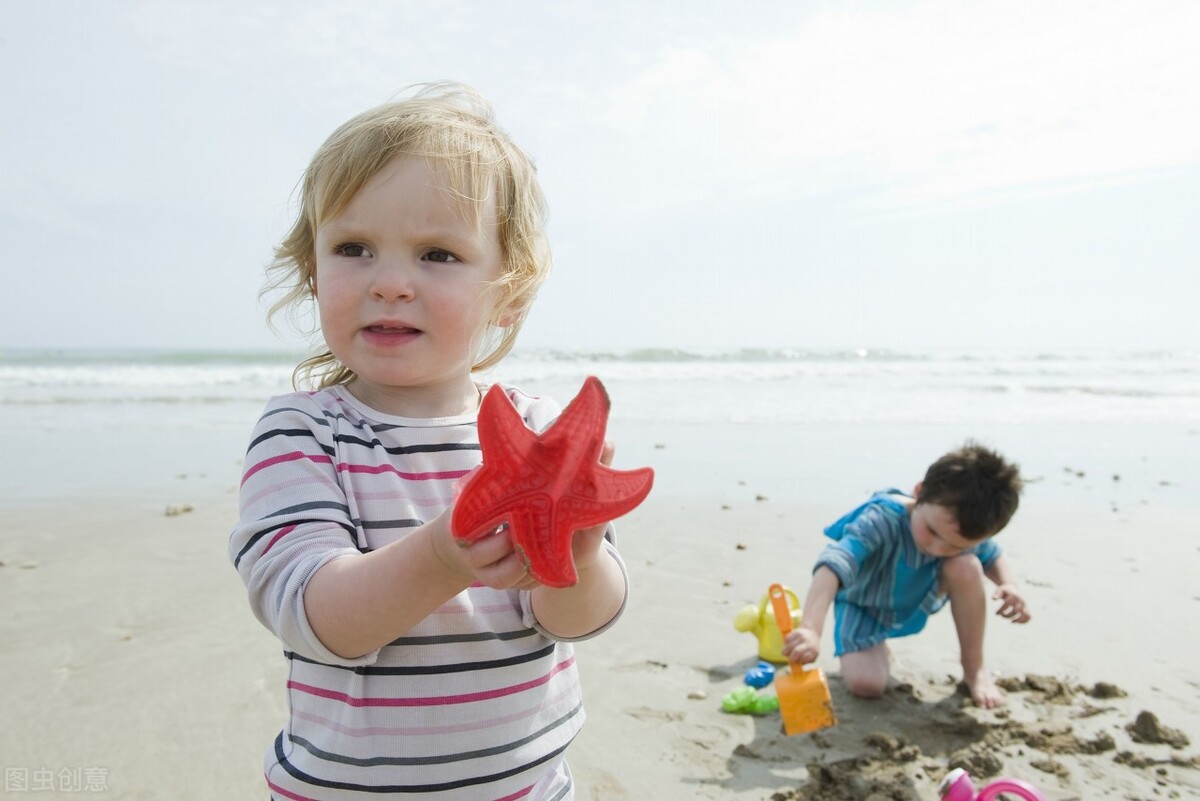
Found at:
<point>275,788</point>
<point>436,700</point>
<point>285,457</point>
<point>435,731</point>
<point>280,534</point>
<point>321,481</point>
<point>376,469</point>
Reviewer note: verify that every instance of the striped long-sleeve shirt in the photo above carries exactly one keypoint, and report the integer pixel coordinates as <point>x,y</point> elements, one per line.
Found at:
<point>475,702</point>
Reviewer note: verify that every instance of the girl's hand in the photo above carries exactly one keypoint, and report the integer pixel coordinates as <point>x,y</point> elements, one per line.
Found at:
<point>1012,605</point>
<point>596,597</point>
<point>802,645</point>
<point>490,560</point>
<point>494,562</point>
<point>588,544</point>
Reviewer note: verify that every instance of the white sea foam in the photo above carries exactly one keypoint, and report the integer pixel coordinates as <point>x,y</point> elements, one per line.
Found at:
<point>93,423</point>
<point>762,385</point>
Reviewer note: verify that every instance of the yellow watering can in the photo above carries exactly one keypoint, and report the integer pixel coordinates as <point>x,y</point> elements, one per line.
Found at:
<point>760,621</point>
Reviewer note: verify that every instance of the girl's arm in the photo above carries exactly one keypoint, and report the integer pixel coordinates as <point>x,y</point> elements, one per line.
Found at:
<point>600,593</point>
<point>597,598</point>
<point>358,604</point>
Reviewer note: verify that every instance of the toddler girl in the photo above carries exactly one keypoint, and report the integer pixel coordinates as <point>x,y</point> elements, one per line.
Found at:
<point>417,667</point>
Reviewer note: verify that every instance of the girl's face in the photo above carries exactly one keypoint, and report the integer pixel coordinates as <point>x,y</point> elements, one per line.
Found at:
<point>404,287</point>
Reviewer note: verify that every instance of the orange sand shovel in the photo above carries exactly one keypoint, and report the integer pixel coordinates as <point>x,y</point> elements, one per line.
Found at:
<point>804,700</point>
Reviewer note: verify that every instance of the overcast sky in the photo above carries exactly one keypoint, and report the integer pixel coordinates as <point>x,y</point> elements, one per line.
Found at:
<point>906,175</point>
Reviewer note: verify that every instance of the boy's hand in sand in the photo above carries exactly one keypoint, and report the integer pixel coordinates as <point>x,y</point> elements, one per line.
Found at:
<point>802,645</point>
<point>1012,605</point>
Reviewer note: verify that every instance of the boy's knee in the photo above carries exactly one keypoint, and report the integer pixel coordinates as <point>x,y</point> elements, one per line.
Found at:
<point>866,686</point>
<point>865,673</point>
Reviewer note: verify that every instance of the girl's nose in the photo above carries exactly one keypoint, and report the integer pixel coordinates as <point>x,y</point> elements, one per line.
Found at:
<point>393,281</point>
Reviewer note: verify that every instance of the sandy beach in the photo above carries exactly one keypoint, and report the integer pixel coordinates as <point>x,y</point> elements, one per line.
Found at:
<point>132,668</point>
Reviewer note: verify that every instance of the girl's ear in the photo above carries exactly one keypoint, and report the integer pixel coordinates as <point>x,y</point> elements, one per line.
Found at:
<point>509,316</point>
<point>917,491</point>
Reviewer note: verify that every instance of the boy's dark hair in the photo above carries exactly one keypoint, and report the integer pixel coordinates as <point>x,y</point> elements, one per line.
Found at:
<point>978,485</point>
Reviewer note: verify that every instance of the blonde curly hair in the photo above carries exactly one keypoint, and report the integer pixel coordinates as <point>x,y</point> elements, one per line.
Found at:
<point>453,127</point>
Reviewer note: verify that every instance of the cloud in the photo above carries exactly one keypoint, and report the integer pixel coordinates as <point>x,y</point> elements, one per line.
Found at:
<point>941,102</point>
<point>153,142</point>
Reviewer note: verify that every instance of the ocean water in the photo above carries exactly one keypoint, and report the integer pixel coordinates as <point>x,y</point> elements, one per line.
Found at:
<point>91,419</point>
<point>791,386</point>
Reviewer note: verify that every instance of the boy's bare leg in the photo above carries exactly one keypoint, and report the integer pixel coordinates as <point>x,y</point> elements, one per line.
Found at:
<point>962,579</point>
<point>865,673</point>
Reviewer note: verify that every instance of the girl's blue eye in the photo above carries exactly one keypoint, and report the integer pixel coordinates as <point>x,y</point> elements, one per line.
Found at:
<point>351,251</point>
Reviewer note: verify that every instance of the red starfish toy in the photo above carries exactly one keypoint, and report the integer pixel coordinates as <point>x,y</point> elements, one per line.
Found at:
<point>545,487</point>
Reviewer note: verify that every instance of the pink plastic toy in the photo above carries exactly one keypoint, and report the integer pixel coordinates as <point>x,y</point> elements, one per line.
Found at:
<point>957,786</point>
